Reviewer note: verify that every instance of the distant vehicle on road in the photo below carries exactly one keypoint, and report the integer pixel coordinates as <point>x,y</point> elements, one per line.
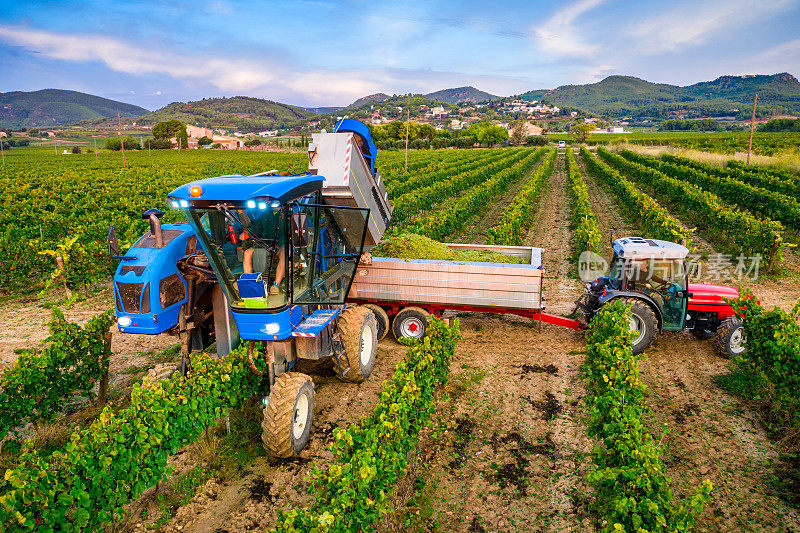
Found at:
<point>562,144</point>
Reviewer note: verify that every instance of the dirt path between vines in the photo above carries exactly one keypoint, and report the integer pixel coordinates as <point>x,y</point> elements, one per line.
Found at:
<point>551,232</point>
<point>23,325</point>
<point>474,233</point>
<point>712,436</point>
<point>506,450</point>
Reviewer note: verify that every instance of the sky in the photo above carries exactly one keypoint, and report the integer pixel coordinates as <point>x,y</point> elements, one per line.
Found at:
<point>332,52</point>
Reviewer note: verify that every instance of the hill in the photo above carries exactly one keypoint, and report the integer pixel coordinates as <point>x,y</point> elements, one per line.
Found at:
<point>51,108</point>
<point>241,113</point>
<point>369,99</point>
<point>620,96</point>
<point>461,94</point>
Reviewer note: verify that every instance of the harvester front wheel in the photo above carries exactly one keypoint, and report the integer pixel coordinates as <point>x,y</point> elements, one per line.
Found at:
<point>382,317</point>
<point>288,416</point>
<point>360,336</point>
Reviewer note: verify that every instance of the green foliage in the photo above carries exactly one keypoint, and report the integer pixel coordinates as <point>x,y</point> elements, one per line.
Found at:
<point>486,133</point>
<point>110,463</point>
<point>581,131</point>
<point>768,204</point>
<point>158,144</point>
<point>677,124</point>
<point>454,213</point>
<point>443,180</point>
<point>731,226</point>
<point>129,142</point>
<point>76,149</point>
<point>35,387</point>
<point>655,221</point>
<point>633,492</point>
<point>517,218</point>
<point>781,125</point>
<point>169,129</point>
<point>782,182</point>
<point>351,494</point>
<point>251,142</point>
<point>773,358</point>
<point>585,232</point>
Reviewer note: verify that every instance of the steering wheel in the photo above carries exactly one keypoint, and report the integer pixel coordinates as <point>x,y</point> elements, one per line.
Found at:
<point>672,292</point>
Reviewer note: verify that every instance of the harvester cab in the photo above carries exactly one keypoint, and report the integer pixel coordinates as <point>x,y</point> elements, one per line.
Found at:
<point>268,258</point>
<point>652,276</point>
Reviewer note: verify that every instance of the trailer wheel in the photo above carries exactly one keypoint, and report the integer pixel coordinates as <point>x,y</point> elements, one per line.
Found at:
<point>289,415</point>
<point>410,322</point>
<point>643,321</point>
<point>382,318</point>
<point>729,339</point>
<point>360,335</point>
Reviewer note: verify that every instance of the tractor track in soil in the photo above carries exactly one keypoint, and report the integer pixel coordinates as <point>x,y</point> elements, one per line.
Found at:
<point>505,451</point>
<point>551,232</point>
<point>475,232</point>
<point>712,436</point>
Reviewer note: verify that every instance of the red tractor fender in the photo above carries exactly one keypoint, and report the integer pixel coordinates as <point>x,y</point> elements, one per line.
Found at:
<point>711,298</point>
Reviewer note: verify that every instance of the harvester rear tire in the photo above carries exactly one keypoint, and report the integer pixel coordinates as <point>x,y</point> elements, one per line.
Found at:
<point>643,320</point>
<point>289,415</point>
<point>410,322</point>
<point>729,339</point>
<point>383,319</point>
<point>359,329</point>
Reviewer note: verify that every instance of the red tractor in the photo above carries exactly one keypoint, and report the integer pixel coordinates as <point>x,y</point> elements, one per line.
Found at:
<point>651,276</point>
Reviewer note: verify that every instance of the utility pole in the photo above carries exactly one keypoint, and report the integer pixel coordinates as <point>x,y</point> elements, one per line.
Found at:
<point>752,125</point>
<point>55,150</point>
<point>95,149</point>
<point>121,142</point>
<point>408,118</point>
<point>2,151</point>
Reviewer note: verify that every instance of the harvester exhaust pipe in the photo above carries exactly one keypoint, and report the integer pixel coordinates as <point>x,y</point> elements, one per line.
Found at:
<point>154,215</point>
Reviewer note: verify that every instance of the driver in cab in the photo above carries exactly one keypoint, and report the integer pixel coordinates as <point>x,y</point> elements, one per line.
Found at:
<point>262,239</point>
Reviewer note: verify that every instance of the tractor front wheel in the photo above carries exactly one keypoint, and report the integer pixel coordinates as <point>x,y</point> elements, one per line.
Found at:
<point>289,415</point>
<point>360,336</point>
<point>643,322</point>
<point>729,339</point>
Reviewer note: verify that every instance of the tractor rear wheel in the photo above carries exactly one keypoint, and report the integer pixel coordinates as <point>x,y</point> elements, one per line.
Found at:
<point>643,322</point>
<point>360,336</point>
<point>382,318</point>
<point>410,322</point>
<point>289,415</point>
<point>729,339</point>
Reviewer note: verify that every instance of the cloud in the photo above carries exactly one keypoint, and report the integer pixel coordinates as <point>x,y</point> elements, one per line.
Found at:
<point>695,23</point>
<point>784,57</point>
<point>558,36</point>
<point>269,78</point>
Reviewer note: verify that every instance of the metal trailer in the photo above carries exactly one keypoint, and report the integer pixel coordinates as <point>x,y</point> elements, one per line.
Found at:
<point>403,292</point>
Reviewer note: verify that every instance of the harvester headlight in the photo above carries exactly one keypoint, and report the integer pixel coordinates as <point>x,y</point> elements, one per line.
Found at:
<point>175,204</point>
<point>275,205</point>
<point>251,204</point>
<point>124,321</point>
<point>262,205</point>
<point>272,328</point>
<point>184,204</point>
